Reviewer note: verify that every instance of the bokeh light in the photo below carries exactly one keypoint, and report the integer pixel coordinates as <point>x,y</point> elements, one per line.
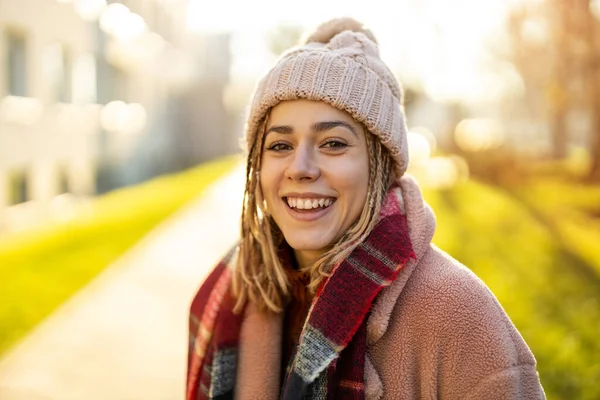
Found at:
<point>20,110</point>
<point>120,117</point>
<point>118,21</point>
<point>478,134</point>
<point>443,172</point>
<point>427,135</point>
<point>90,10</point>
<point>418,148</point>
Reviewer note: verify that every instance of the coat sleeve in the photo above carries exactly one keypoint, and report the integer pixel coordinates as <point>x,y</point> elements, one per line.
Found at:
<point>519,382</point>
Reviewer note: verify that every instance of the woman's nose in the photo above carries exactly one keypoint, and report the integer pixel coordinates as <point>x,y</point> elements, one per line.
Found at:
<point>303,164</point>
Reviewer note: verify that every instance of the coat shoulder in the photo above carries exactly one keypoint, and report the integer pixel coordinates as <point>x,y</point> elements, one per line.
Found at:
<point>448,331</point>
<point>461,305</point>
<point>439,272</point>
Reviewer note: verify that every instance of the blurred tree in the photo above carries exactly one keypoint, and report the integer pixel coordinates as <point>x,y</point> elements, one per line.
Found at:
<point>592,30</point>
<point>554,45</point>
<point>283,37</point>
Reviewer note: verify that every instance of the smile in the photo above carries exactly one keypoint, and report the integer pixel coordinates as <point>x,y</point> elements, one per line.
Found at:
<point>307,209</point>
<point>308,204</point>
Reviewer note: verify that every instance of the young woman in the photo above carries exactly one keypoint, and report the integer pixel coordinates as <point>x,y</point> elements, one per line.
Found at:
<point>335,290</point>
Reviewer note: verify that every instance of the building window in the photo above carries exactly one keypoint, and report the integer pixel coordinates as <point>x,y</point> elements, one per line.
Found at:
<point>57,72</point>
<point>16,59</point>
<point>18,189</point>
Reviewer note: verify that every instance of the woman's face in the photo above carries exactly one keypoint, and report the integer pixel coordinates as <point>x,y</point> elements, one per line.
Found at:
<point>314,174</point>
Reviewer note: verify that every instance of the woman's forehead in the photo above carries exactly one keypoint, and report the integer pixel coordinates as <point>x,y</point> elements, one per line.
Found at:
<point>306,111</point>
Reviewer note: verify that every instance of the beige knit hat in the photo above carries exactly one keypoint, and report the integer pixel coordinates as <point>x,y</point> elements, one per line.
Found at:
<point>340,65</point>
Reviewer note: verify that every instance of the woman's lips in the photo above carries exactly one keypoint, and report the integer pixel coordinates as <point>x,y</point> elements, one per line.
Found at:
<point>307,215</point>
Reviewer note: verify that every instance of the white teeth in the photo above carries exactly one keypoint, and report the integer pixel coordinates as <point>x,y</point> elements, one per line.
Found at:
<point>308,204</point>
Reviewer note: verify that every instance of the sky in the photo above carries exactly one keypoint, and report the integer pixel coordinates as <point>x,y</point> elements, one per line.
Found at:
<point>439,46</point>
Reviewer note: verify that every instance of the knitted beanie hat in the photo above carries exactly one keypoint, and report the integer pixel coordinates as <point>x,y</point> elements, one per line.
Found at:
<point>340,65</point>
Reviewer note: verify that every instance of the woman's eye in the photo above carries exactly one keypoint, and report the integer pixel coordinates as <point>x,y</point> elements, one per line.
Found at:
<point>334,144</point>
<point>278,146</point>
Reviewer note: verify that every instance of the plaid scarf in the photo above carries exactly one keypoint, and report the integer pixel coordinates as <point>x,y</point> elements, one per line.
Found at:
<point>330,355</point>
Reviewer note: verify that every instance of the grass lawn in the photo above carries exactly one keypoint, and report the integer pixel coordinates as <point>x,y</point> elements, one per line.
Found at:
<point>543,266</point>
<point>40,270</point>
<point>573,212</point>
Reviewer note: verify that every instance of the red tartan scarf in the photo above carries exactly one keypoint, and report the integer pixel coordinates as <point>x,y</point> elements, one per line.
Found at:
<point>330,354</point>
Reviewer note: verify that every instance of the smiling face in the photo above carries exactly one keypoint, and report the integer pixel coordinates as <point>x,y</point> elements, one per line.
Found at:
<point>314,174</point>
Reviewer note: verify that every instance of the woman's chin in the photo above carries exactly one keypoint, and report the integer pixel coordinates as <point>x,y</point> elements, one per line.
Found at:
<point>302,244</point>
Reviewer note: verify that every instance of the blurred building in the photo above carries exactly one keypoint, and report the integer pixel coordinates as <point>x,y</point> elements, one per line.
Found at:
<point>96,95</point>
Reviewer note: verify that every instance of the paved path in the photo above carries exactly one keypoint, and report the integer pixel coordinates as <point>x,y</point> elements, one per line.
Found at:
<point>124,336</point>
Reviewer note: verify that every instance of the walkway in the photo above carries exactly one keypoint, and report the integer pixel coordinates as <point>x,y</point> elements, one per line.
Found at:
<point>124,336</point>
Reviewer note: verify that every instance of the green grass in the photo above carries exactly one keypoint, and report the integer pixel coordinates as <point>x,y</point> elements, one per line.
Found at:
<point>572,210</point>
<point>544,267</point>
<point>39,270</point>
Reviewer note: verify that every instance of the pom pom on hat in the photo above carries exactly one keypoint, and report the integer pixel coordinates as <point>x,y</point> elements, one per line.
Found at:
<point>328,30</point>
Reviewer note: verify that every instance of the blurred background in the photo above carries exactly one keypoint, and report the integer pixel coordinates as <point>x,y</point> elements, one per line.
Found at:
<point>115,114</point>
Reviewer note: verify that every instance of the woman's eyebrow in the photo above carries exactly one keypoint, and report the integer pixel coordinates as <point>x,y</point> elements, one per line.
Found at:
<point>317,127</point>
<point>284,129</point>
<point>327,125</point>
